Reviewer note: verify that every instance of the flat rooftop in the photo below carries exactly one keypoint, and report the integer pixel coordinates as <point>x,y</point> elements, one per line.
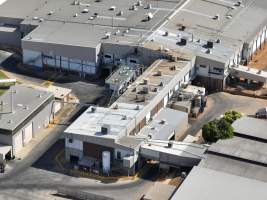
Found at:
<point>122,75</point>
<point>241,148</point>
<point>235,167</point>
<point>26,101</point>
<point>90,18</point>
<point>252,127</point>
<point>152,82</point>
<point>200,21</point>
<point>181,149</point>
<point>116,119</point>
<point>164,124</point>
<point>203,183</point>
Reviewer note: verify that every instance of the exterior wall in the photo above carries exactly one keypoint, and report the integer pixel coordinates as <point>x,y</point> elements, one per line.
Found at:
<point>10,38</point>
<point>124,153</point>
<point>40,121</point>
<point>84,60</point>
<point>256,43</point>
<point>5,138</point>
<point>211,84</point>
<point>118,51</point>
<point>32,58</point>
<point>158,102</point>
<point>72,152</point>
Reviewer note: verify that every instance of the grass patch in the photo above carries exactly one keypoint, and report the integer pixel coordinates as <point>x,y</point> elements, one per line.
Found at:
<point>2,75</point>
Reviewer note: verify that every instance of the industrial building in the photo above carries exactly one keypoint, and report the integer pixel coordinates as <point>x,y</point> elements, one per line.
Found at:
<point>24,112</point>
<point>203,183</point>
<point>244,155</point>
<point>138,115</point>
<point>86,37</point>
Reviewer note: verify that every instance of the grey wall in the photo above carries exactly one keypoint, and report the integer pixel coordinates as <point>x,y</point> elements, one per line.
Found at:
<point>10,38</point>
<point>74,52</point>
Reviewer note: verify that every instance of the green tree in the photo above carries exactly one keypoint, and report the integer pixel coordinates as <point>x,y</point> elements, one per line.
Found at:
<point>225,128</point>
<point>210,131</point>
<point>217,129</point>
<point>231,116</point>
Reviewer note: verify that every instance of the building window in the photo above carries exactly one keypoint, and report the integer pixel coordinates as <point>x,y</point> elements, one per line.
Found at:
<point>108,56</point>
<point>202,66</point>
<point>118,155</point>
<point>133,61</point>
<point>217,70</point>
<point>70,140</point>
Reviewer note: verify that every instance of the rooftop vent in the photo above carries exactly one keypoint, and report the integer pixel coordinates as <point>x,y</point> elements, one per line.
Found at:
<point>35,18</point>
<point>162,122</point>
<point>183,41</point>
<point>145,81</point>
<point>41,20</point>
<point>75,15</point>
<point>161,84</point>
<point>208,51</point>
<point>182,28</point>
<point>259,72</point>
<point>107,35</point>
<point>116,107</point>
<point>139,3</point>
<point>149,16</point>
<point>155,89</point>
<point>105,129</point>
<point>50,12</point>
<point>120,13</point>
<point>149,6</point>
<point>145,90</point>
<point>159,73</point>
<point>218,41</point>
<point>93,109</point>
<point>112,8</point>
<point>173,68</point>
<point>85,10</point>
<point>210,44</point>
<point>229,16</point>
<point>238,3</point>
<point>75,3</point>
<point>124,117</point>
<point>137,107</point>
<point>170,144</point>
<point>133,7</point>
<point>216,17</point>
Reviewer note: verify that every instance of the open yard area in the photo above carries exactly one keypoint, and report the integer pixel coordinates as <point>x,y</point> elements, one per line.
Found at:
<point>221,102</point>
<point>259,60</point>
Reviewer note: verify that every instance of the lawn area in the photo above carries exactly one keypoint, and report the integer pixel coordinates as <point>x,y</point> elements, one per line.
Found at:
<point>2,76</point>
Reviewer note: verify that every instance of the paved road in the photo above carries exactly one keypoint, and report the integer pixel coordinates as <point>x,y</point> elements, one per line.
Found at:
<point>222,102</point>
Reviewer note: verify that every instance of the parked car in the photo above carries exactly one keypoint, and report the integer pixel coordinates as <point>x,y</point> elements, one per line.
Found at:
<point>262,113</point>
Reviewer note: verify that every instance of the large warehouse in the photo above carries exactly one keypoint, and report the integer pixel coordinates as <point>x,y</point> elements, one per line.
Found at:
<point>85,36</point>
<point>24,112</point>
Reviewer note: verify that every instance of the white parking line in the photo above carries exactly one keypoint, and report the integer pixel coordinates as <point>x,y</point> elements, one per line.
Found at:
<point>197,13</point>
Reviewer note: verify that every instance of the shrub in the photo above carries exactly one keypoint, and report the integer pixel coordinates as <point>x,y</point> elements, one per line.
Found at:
<point>217,129</point>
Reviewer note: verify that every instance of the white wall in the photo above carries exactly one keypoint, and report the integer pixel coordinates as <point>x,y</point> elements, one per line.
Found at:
<point>123,153</point>
<point>76,144</point>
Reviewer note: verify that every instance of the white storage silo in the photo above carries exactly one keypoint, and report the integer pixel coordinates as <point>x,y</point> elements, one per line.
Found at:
<point>106,161</point>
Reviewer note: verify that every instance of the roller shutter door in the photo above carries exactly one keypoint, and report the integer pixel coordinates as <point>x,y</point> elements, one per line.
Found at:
<point>17,142</point>
<point>27,136</point>
<point>165,101</point>
<point>57,107</point>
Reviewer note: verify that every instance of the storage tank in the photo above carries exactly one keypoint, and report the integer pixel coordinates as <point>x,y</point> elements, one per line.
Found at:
<point>106,161</point>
